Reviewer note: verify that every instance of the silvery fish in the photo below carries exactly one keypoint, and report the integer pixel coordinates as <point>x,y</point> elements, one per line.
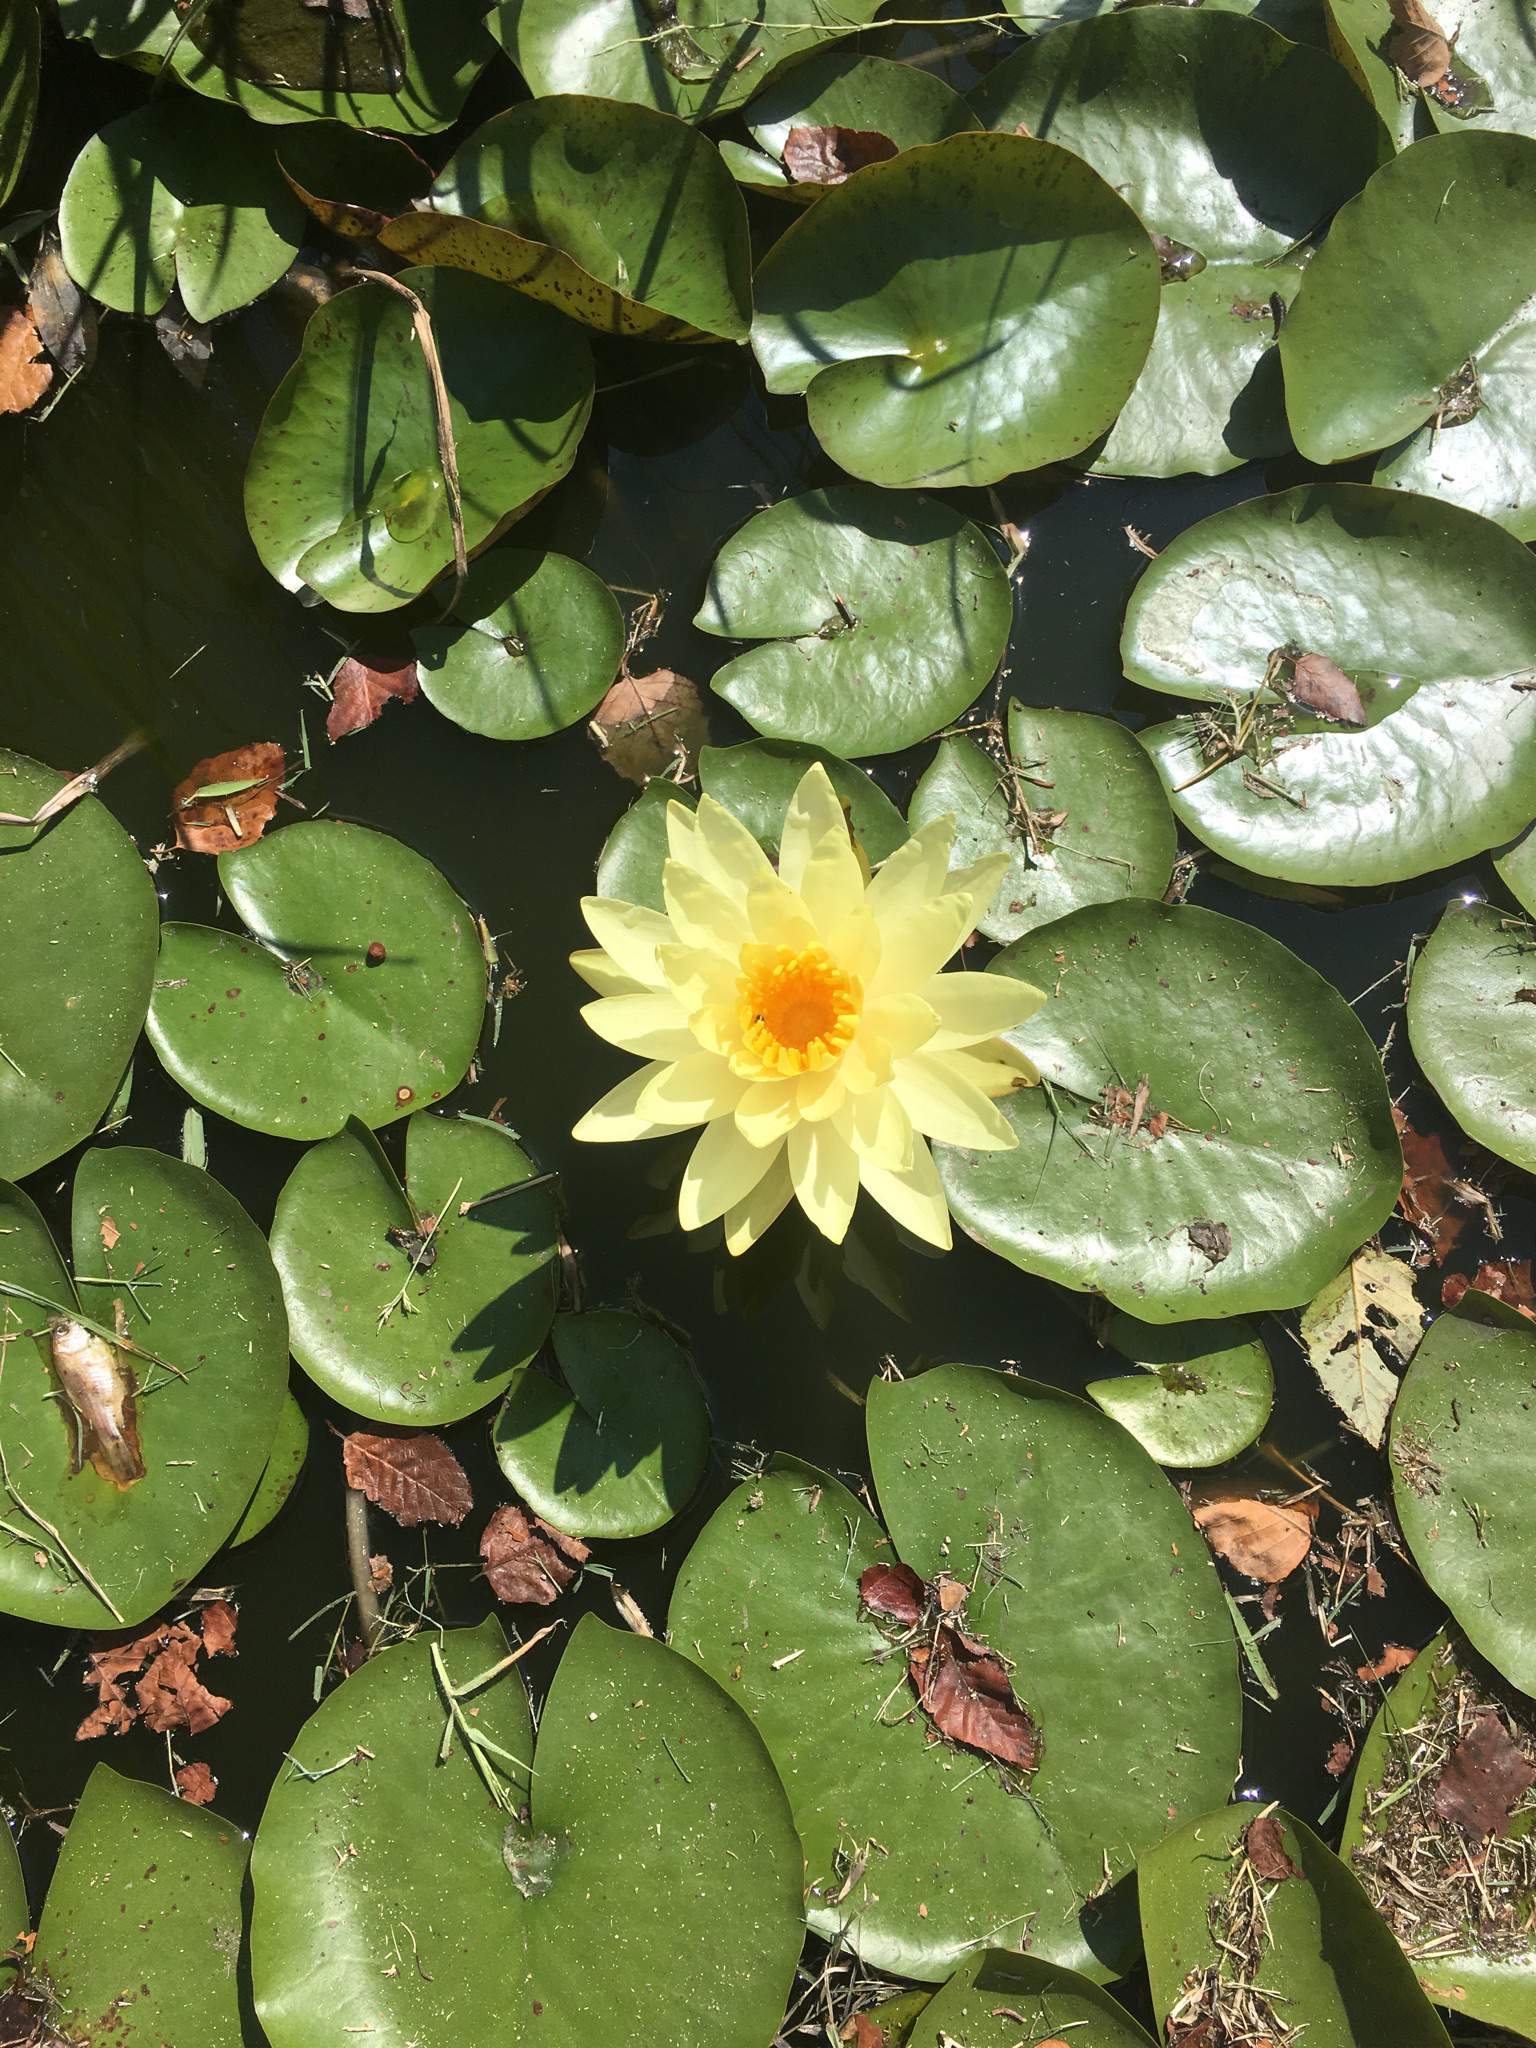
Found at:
<point>97,1382</point>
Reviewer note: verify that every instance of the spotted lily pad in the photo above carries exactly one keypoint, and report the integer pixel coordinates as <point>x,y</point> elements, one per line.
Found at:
<point>301,1025</point>
<point>1472,1024</point>
<point>1429,615</point>
<point>950,352</point>
<point>352,180</point>
<point>78,929</point>
<point>840,88</point>
<point>1264,1150</point>
<point>1202,1392</point>
<point>654,1809</point>
<point>344,493</point>
<point>883,617</point>
<point>998,1998</point>
<point>161,1243</point>
<point>279,1476</point>
<point>21,41</point>
<point>1082,1571</point>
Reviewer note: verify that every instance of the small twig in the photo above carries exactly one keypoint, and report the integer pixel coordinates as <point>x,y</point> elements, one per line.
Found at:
<point>78,785</point>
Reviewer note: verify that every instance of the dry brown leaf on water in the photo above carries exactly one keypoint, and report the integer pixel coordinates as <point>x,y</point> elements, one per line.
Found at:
<point>1418,45</point>
<point>196,1784</point>
<point>1321,686</point>
<point>24,375</point>
<point>168,1694</point>
<point>241,796</point>
<point>1509,1280</point>
<point>527,1561</point>
<point>829,156</point>
<point>1340,1757</point>
<point>1264,1539</point>
<point>965,1690</point>
<point>361,689</point>
<point>171,1696</point>
<point>64,316</point>
<point>218,1620</point>
<point>1487,1777</point>
<point>894,1592</point>
<point>1394,1657</point>
<point>413,1478</point>
<point>646,724</point>
<point>381,1574</point>
<point>1427,1200</point>
<point>1266,1851</point>
<point>863,2032</point>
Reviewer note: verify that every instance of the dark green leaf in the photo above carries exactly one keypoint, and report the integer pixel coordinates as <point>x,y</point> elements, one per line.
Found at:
<point>21,51</point>
<point>279,1476</point>
<point>1472,1024</point>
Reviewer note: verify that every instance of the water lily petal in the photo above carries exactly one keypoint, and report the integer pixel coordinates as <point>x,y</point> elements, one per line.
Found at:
<point>971,1007</point>
<point>980,881</point>
<point>916,940</point>
<point>722,1171</point>
<point>701,914</point>
<point>767,1111</point>
<point>814,810</point>
<point>818,1096</point>
<point>825,1170</point>
<point>882,1132</point>
<point>745,1224</point>
<point>778,917</point>
<point>693,1090</point>
<point>682,830</point>
<point>601,971</point>
<point>630,934</point>
<point>615,1120</point>
<point>943,1104</point>
<point>915,871</point>
<point>655,1027</point>
<point>891,1027</point>
<point>725,852</point>
<point>996,1068</point>
<point>832,885</point>
<point>696,975</point>
<point>915,1198</point>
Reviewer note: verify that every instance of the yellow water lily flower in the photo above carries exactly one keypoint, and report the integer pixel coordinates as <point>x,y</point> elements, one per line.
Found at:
<point>800,1016</point>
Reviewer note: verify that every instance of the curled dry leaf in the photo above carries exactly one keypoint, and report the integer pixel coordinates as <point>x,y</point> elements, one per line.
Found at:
<point>1509,1280</point>
<point>196,1784</point>
<point>647,724</point>
<point>361,689</point>
<point>1487,1777</point>
<point>413,1478</point>
<point>1266,1851</point>
<point>1321,686</point>
<point>1264,1539</point>
<point>829,156</point>
<point>894,1592</point>
<point>964,1689</point>
<point>381,1574</point>
<point>1418,45</point>
<point>527,1561</point>
<point>228,800</point>
<point>1428,1200</point>
<point>23,376</point>
<point>1394,1657</point>
<point>64,316</point>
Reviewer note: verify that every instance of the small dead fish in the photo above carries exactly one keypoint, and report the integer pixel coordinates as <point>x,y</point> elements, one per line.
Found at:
<point>97,1383</point>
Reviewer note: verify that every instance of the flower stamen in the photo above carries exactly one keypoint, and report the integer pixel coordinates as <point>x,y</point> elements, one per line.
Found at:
<point>797,1011</point>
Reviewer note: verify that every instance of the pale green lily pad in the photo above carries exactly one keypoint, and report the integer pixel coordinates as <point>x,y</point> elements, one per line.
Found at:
<point>1233,143</point>
<point>884,616</point>
<point>1428,610</point>
<point>143,1920</point>
<point>173,1243</point>
<point>655,1812</point>
<point>539,640</point>
<point>21,56</point>
<point>294,1029</point>
<point>78,931</point>
<point>279,1476</point>
<point>1203,1393</point>
<point>1117,838</point>
<point>344,494</point>
<point>998,1999</point>
<point>1330,1963</point>
<point>949,352</point>
<point>619,1448</point>
<point>1491,63</point>
<point>1280,1155</point>
<point>1472,1025</point>
<point>1516,866</point>
<point>621,217</point>
<point>1083,1572</point>
<point>1459,1452</point>
<point>395,1332</point>
<point>840,88</point>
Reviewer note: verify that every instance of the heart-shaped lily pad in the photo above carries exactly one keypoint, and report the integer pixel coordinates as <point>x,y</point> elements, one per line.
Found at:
<point>279,1476</point>
<point>950,351</point>
<point>884,616</point>
<point>1484,77</point>
<point>1203,1391</point>
<point>998,1999</point>
<point>1233,144</point>
<point>880,102</point>
<point>539,640</point>
<point>1472,1025</point>
<point>621,217</point>
<point>416,1308</point>
<point>164,1255</point>
<point>143,1920</point>
<point>1424,617</point>
<point>1461,1483</point>
<point>1081,1570</point>
<point>345,493</point>
<point>656,1816</point>
<point>1229,1937</point>
<point>1071,799</point>
<point>21,49</point>
<point>619,1448</point>
<point>78,931</point>
<point>304,1023</point>
<point>1260,1152</point>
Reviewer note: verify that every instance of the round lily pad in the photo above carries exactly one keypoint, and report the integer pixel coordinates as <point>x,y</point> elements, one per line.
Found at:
<point>884,616</point>
<point>1424,617</point>
<point>143,1920</point>
<point>297,1027</point>
<point>951,352</point>
<point>1472,1025</point>
<point>280,1474</point>
<point>655,1816</point>
<point>1490,85</point>
<point>1072,800</point>
<point>1082,1572</point>
<point>838,88</point>
<point>21,51</point>
<point>344,493</point>
<point>621,217</point>
<point>619,1448</point>
<point>1264,1149</point>
<point>1202,1392</point>
<point>998,1999</point>
<point>539,638</point>
<point>1461,1483</point>
<point>78,930</point>
<point>406,1308</point>
<point>162,1246</point>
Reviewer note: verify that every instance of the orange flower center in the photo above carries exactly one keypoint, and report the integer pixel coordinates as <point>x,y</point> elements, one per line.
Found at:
<point>797,1011</point>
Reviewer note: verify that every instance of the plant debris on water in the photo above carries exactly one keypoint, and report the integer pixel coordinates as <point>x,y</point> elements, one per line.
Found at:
<point>1225,2004</point>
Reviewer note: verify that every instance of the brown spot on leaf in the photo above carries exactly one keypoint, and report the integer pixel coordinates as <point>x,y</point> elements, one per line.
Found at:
<point>527,1561</point>
<point>829,156</point>
<point>413,1478</point>
<point>109,1234</point>
<point>1266,1850</point>
<point>242,787</point>
<point>1212,1240</point>
<point>1485,1780</point>
<point>361,689</point>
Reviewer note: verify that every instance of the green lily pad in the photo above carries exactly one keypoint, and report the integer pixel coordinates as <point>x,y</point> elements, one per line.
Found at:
<point>756,780</point>
<point>655,1815</point>
<point>295,1028</point>
<point>1301,20</point>
<point>621,1446</point>
<point>839,88</point>
<point>79,926</point>
<point>950,352</point>
<point>1516,866</point>
<point>1279,1156</point>
<point>1001,2000</point>
<point>21,56</point>
<point>1203,1393</point>
<point>399,1331</point>
<point>351,179</point>
<point>143,1919</point>
<point>1328,1963</point>
<point>1472,1025</point>
<point>621,217</point>
<point>1428,610</point>
<point>884,617</point>
<point>635,851</point>
<point>1490,60</point>
<point>1461,1483</point>
<point>1116,840</point>
<point>280,1474</point>
<point>344,493</point>
<point>1065,1530</point>
<point>1234,144</point>
<point>540,639</point>
<point>192,1276</point>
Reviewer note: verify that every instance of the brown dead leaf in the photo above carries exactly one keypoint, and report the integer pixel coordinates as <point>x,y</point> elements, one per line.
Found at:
<point>168,1694</point>
<point>965,1690</point>
<point>1394,1658</point>
<point>413,1478</point>
<point>1320,685</point>
<point>1487,1777</point>
<point>23,376</point>
<point>222,822</point>
<point>1417,45</point>
<point>381,1574</point>
<point>64,316</point>
<point>829,156</point>
<point>528,1562</point>
<point>109,1234</point>
<point>646,724</point>
<point>360,690</point>
<point>196,1784</point>
<point>1263,1539</point>
<point>218,1620</point>
<point>863,2032</point>
<point>1340,1757</point>
<point>1508,1280</point>
<point>894,1592</point>
<point>1265,1846</point>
